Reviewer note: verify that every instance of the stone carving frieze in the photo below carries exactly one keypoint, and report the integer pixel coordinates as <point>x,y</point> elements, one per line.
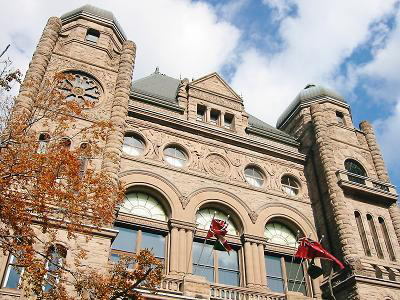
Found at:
<point>215,99</point>
<point>217,165</point>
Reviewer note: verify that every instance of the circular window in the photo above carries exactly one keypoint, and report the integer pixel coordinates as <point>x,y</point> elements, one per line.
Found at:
<point>254,176</point>
<point>175,156</point>
<point>80,87</point>
<point>204,217</point>
<point>280,234</point>
<point>133,145</point>
<point>144,205</point>
<point>290,185</point>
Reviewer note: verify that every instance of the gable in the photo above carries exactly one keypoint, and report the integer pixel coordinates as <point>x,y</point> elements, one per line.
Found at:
<point>214,83</point>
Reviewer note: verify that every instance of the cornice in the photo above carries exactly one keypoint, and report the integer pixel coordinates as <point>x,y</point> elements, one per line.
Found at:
<point>214,133</point>
<point>253,239</point>
<point>175,223</point>
<point>155,100</point>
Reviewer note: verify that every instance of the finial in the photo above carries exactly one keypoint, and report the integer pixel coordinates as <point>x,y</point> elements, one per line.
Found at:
<point>157,71</point>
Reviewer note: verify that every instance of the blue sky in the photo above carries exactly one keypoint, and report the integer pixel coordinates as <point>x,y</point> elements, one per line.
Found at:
<point>268,50</point>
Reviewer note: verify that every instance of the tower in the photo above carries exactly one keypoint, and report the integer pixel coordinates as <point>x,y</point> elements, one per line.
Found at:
<point>353,201</point>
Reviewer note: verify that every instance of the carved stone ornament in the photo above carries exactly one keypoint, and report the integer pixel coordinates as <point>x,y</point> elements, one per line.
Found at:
<point>184,201</point>
<point>80,87</point>
<point>217,165</point>
<point>253,216</point>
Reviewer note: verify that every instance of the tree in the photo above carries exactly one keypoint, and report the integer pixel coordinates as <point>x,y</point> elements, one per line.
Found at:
<point>52,191</point>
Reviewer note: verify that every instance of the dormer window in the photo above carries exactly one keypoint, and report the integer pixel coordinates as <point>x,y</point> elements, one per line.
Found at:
<point>201,113</point>
<point>214,117</point>
<point>340,118</point>
<point>228,121</point>
<point>92,35</point>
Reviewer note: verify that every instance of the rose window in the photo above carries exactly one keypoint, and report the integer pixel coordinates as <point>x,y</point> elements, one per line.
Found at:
<point>81,88</point>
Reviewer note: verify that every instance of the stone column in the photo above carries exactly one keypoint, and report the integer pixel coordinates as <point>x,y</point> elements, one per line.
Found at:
<point>375,151</point>
<point>189,249</point>
<point>381,171</point>
<point>182,250</point>
<point>336,197</point>
<point>262,270</point>
<point>38,66</point>
<point>256,260</point>
<point>248,258</point>
<point>173,268</point>
<point>119,111</point>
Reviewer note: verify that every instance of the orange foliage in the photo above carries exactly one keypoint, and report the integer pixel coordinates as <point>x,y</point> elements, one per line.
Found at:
<point>48,187</point>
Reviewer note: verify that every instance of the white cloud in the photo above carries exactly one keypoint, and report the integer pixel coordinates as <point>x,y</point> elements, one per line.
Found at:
<point>316,41</point>
<point>180,36</point>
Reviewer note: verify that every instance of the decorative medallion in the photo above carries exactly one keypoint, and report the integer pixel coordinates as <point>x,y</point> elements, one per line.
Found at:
<point>217,165</point>
<point>80,87</point>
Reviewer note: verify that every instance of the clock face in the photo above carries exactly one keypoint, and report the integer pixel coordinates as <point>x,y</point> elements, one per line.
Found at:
<point>81,88</point>
<point>278,233</point>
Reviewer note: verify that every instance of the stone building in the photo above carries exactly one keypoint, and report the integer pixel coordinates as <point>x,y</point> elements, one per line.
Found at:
<point>188,150</point>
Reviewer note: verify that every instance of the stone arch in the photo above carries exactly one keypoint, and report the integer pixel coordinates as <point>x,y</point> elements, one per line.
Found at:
<point>289,215</point>
<point>159,186</point>
<point>205,196</point>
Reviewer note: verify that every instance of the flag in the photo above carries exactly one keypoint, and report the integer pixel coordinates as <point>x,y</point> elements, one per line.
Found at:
<point>218,229</point>
<point>310,249</point>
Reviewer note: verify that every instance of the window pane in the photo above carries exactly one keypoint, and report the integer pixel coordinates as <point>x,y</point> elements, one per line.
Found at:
<point>13,277</point>
<point>207,272</point>
<point>125,240</point>
<point>276,285</point>
<point>273,265</point>
<point>228,277</point>
<point>154,242</point>
<point>206,258</point>
<point>297,287</point>
<point>293,268</point>
<point>228,261</point>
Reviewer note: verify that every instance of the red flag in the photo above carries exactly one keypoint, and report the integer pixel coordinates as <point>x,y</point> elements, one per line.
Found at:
<point>217,228</point>
<point>311,249</point>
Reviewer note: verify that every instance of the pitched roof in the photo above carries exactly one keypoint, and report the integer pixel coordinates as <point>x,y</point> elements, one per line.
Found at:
<point>310,93</point>
<point>96,13</point>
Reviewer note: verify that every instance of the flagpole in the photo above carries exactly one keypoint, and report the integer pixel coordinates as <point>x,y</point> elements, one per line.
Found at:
<point>301,282</point>
<point>202,248</point>
<point>291,262</point>
<point>298,269</point>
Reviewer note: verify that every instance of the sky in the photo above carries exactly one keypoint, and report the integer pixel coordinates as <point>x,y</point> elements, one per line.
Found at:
<point>267,50</point>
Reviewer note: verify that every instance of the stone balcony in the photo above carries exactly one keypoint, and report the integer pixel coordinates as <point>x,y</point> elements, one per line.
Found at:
<point>366,186</point>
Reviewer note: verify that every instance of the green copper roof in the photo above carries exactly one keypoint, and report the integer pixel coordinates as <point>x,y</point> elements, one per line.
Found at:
<point>102,15</point>
<point>307,95</point>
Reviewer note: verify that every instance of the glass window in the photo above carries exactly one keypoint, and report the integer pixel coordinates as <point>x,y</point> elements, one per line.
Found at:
<point>340,118</point>
<point>375,238</point>
<point>130,241</point>
<point>92,35</point>
<point>228,121</point>
<point>44,139</point>
<point>13,274</point>
<point>144,205</point>
<point>175,156</point>
<point>57,255</point>
<point>290,185</point>
<point>280,270</point>
<point>254,176</point>
<point>201,113</point>
<point>354,167</point>
<point>217,266</point>
<point>280,234</point>
<point>214,117</point>
<point>133,145</point>
<point>205,215</point>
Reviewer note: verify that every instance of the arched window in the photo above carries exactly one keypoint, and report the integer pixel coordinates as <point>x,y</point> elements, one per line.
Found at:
<point>44,139</point>
<point>56,259</point>
<point>133,145</point>
<point>385,234</point>
<point>131,239</point>
<point>374,234</point>
<point>290,185</point>
<point>362,234</point>
<point>355,168</point>
<point>254,176</point>
<point>175,156</point>
<point>65,143</point>
<point>83,159</point>
<point>283,273</point>
<point>216,265</point>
